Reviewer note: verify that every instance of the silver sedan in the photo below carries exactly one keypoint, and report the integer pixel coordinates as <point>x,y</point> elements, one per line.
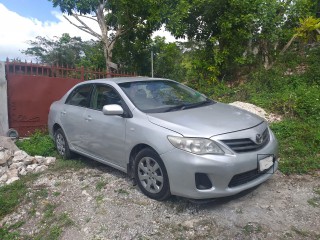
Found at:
<point>170,138</point>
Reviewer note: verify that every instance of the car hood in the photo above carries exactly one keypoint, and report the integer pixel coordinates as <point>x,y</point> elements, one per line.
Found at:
<point>207,121</point>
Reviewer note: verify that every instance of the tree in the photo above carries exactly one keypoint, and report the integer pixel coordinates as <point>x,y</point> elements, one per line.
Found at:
<point>115,18</point>
<point>61,51</point>
<point>239,33</point>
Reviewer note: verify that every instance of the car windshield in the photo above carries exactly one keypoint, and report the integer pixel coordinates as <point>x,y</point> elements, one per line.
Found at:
<point>157,96</point>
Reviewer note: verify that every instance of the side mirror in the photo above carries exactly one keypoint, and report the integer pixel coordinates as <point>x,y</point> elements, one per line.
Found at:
<point>112,109</point>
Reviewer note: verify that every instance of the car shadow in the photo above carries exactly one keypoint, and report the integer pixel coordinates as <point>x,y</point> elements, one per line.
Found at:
<point>173,200</point>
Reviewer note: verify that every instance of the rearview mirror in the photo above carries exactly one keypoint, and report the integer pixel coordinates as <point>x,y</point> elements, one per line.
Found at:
<point>112,109</point>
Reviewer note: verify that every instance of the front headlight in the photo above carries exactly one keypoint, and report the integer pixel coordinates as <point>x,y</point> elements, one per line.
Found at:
<point>196,145</point>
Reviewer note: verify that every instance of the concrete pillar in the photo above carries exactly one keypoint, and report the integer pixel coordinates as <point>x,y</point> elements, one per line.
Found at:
<point>4,124</point>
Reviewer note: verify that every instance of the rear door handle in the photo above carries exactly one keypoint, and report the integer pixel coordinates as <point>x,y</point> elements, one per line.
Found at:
<point>63,112</point>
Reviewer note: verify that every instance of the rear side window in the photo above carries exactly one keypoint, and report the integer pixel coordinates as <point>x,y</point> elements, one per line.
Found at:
<point>80,96</point>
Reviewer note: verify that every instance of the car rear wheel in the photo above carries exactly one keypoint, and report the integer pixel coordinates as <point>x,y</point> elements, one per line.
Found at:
<point>151,175</point>
<point>62,144</point>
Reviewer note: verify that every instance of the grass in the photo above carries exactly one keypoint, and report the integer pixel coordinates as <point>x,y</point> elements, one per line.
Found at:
<point>251,228</point>
<point>9,233</point>
<point>10,197</point>
<point>315,201</point>
<point>39,143</point>
<point>100,185</point>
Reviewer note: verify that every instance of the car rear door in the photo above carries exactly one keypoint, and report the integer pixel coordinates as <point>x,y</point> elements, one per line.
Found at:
<point>72,114</point>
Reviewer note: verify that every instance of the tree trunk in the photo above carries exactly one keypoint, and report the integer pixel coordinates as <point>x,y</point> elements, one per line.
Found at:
<point>104,34</point>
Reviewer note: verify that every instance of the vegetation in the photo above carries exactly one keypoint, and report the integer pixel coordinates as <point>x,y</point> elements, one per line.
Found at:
<point>263,52</point>
<point>38,144</point>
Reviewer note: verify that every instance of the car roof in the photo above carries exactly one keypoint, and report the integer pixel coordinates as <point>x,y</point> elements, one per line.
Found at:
<point>124,79</point>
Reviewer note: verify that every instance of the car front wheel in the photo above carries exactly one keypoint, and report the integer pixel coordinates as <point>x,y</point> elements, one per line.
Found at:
<point>151,175</point>
<point>62,144</point>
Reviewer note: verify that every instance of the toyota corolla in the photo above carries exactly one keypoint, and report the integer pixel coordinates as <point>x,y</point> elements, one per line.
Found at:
<point>170,138</point>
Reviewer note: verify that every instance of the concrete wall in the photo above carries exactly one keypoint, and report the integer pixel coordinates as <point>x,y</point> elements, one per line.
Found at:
<point>4,125</point>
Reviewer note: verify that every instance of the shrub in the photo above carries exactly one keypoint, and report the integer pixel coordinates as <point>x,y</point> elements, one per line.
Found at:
<point>39,143</point>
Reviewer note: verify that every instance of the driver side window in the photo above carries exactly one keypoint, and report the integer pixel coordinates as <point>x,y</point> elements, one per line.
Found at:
<point>104,95</point>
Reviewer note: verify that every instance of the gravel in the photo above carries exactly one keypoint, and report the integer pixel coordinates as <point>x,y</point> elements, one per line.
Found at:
<point>104,204</point>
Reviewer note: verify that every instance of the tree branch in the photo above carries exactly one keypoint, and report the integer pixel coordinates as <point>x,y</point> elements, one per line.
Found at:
<point>85,16</point>
<point>119,32</point>
<point>288,44</point>
<point>83,27</point>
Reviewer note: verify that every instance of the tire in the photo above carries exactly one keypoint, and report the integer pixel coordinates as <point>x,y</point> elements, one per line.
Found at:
<point>62,144</point>
<point>151,175</point>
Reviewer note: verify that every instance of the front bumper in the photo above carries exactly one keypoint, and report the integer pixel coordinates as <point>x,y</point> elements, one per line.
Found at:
<point>182,167</point>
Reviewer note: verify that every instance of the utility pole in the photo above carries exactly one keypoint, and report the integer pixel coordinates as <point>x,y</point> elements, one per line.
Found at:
<point>152,63</point>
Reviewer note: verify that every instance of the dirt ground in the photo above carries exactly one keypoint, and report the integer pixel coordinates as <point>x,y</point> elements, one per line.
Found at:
<point>101,203</point>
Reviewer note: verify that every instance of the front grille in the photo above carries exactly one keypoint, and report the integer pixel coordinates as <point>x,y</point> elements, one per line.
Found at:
<point>243,178</point>
<point>246,144</point>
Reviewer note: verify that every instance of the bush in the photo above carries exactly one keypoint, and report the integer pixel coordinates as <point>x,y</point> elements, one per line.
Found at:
<point>39,143</point>
<point>294,93</point>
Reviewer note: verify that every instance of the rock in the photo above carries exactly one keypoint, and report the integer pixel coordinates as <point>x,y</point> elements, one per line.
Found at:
<point>49,160</point>
<point>40,168</point>
<point>16,165</point>
<point>6,142</point>
<point>29,160</point>
<point>5,156</point>
<point>32,167</point>
<point>4,178</point>
<point>39,159</point>
<point>19,156</point>
<point>3,170</point>
<point>22,172</point>
<point>189,223</point>
<point>11,180</point>
<point>12,173</point>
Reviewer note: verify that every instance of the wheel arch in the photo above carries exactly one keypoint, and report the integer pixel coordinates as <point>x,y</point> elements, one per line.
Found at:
<point>55,127</point>
<point>134,151</point>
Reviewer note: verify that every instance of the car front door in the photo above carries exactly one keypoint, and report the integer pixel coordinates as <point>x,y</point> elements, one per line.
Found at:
<point>105,134</point>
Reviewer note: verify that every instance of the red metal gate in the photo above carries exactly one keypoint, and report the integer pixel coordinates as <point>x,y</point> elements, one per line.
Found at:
<point>33,87</point>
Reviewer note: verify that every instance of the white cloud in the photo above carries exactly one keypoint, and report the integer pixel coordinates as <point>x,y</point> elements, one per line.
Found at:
<point>16,31</point>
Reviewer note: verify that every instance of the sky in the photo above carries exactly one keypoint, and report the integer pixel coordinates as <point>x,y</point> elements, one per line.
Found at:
<point>24,20</point>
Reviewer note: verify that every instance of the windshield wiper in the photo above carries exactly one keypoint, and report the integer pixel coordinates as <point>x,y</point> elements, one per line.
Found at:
<point>177,107</point>
<point>194,105</point>
<point>190,105</point>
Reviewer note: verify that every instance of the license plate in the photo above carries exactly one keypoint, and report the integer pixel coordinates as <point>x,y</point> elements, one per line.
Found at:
<point>265,163</point>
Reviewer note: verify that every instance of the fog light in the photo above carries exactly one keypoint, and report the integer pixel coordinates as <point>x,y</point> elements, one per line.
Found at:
<point>202,181</point>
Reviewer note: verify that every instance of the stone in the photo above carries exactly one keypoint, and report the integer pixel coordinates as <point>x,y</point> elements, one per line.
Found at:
<point>19,156</point>
<point>39,159</point>
<point>32,167</point>
<point>4,178</point>
<point>29,160</point>
<point>23,172</point>
<point>11,180</point>
<point>7,143</point>
<point>12,173</point>
<point>40,168</point>
<point>49,160</point>
<point>16,165</point>
<point>3,170</point>
<point>5,156</point>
